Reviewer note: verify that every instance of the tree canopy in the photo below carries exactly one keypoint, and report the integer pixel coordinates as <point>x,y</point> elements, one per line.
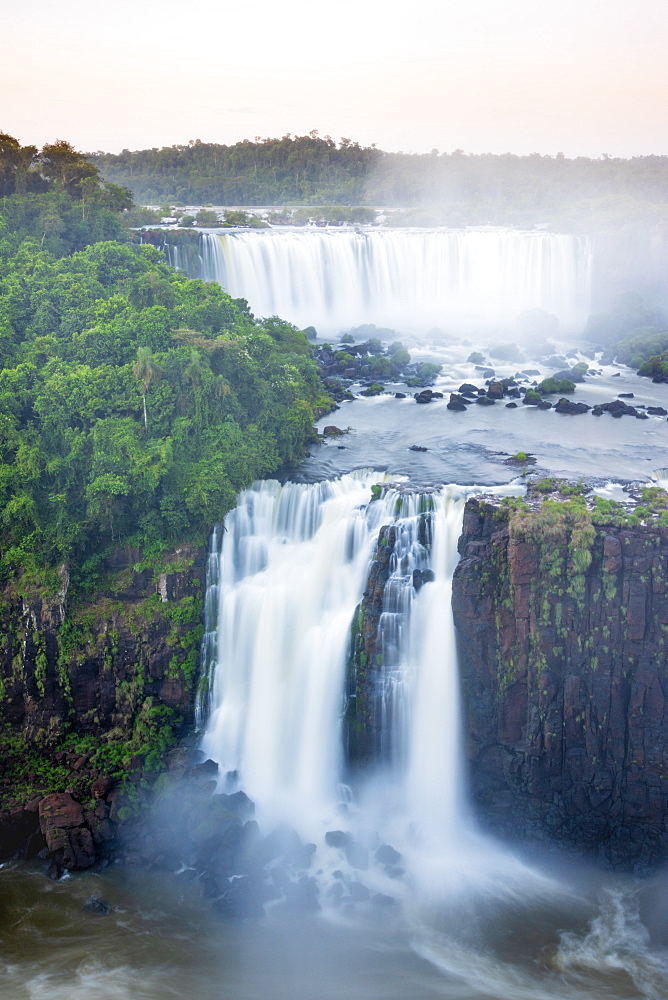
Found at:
<point>455,187</point>
<point>134,401</point>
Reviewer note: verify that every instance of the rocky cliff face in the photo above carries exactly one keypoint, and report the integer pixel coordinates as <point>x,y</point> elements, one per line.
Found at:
<point>94,695</point>
<point>561,609</point>
<point>562,619</point>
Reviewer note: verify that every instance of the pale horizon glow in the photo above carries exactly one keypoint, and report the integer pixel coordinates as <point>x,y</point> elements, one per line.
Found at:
<point>583,78</point>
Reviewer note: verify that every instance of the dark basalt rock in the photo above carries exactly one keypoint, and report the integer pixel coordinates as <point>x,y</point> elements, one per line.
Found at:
<point>98,906</point>
<point>485,400</point>
<point>358,892</point>
<point>387,855</point>
<point>511,406</point>
<point>468,390</point>
<point>569,406</point>
<point>456,402</point>
<point>417,447</point>
<point>337,838</point>
<point>617,408</point>
<point>564,680</point>
<point>569,373</point>
<point>657,411</point>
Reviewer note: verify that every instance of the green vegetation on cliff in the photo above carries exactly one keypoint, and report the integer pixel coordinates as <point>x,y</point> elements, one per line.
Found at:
<point>134,401</point>
<point>134,404</point>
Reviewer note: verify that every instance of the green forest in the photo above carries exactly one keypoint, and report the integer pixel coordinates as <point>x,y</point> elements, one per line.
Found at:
<point>134,401</point>
<point>440,188</point>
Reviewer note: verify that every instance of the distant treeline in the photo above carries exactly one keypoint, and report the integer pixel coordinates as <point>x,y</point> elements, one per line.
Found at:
<point>455,187</point>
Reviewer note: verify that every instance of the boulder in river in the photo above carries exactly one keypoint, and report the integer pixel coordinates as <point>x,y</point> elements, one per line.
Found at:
<point>456,402</point>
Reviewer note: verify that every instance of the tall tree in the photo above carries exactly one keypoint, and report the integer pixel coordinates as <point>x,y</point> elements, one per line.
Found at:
<point>146,370</point>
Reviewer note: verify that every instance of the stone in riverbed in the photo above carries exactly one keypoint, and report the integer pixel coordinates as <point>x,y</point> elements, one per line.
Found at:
<point>387,855</point>
<point>358,892</point>
<point>98,906</point>
<point>456,402</point>
<point>568,406</point>
<point>337,838</point>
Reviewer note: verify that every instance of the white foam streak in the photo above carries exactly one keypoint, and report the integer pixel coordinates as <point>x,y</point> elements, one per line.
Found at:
<point>436,800</point>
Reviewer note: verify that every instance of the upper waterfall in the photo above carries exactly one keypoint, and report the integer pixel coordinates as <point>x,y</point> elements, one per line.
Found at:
<point>407,279</point>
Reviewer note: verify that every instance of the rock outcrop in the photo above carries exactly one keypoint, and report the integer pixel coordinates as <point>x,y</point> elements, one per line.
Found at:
<point>93,695</point>
<point>562,619</point>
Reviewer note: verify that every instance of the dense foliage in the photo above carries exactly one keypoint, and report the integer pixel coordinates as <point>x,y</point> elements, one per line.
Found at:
<point>57,197</point>
<point>315,170</point>
<point>134,401</point>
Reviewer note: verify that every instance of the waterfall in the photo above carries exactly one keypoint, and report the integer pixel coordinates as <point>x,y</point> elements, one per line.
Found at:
<point>293,566</point>
<point>209,647</point>
<point>407,279</point>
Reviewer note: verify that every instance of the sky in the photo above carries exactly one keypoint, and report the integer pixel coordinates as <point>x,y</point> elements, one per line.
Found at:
<point>582,77</point>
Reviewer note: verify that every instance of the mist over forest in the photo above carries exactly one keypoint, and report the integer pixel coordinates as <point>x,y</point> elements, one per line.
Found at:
<point>443,188</point>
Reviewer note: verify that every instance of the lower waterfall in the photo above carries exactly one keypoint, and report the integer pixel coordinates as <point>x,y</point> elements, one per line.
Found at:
<point>293,565</point>
<point>400,848</point>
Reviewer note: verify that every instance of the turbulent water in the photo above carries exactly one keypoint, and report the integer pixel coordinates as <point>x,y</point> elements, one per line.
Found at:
<point>405,279</point>
<point>293,565</point>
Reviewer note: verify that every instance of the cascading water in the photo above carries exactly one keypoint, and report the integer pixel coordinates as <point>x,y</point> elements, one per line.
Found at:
<point>293,565</point>
<point>407,279</point>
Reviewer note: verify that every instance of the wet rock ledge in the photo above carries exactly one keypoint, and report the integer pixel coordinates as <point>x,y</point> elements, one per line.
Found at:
<point>561,609</point>
<point>94,696</point>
